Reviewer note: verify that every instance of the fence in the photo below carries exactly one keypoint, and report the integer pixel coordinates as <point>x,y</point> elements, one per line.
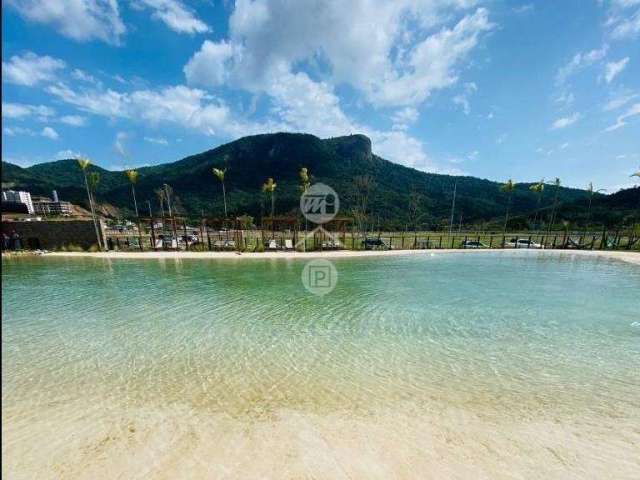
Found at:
<point>177,234</point>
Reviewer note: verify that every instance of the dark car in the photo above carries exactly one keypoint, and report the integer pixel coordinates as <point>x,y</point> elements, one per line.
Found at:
<point>374,244</point>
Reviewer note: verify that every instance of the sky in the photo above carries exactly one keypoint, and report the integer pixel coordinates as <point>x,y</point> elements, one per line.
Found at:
<point>493,89</point>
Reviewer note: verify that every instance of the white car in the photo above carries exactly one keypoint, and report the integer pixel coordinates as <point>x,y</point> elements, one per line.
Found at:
<point>522,243</point>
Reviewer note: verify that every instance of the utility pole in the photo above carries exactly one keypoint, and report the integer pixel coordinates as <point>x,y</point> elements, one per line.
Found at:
<point>453,205</point>
<point>149,205</point>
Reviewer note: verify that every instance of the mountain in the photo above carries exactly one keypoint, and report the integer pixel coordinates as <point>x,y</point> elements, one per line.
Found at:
<point>334,161</point>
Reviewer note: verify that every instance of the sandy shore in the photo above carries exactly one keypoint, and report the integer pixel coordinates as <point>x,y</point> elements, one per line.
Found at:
<point>629,257</point>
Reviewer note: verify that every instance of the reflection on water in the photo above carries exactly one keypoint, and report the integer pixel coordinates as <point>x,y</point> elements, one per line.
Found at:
<point>442,342</point>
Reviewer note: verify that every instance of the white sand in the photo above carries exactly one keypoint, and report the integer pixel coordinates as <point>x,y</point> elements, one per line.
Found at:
<point>630,257</point>
<point>175,442</point>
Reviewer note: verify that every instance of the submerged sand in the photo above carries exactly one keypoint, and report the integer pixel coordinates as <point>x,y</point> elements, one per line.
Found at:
<point>630,257</point>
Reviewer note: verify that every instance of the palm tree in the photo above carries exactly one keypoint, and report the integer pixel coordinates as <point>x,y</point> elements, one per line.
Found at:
<point>591,191</point>
<point>132,175</point>
<point>508,188</point>
<point>556,182</point>
<point>220,173</point>
<point>84,164</point>
<point>305,184</point>
<point>270,188</point>
<point>538,188</point>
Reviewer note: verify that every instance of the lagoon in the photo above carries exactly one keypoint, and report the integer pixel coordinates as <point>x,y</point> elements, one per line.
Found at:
<point>524,365</point>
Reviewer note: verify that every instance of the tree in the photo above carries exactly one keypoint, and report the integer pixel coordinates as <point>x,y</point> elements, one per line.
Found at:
<point>508,188</point>
<point>160,194</point>
<point>305,184</point>
<point>537,188</point>
<point>220,173</point>
<point>363,185</point>
<point>132,175</point>
<point>415,203</point>
<point>556,182</point>
<point>591,191</point>
<point>305,179</point>
<point>84,164</point>
<point>270,187</point>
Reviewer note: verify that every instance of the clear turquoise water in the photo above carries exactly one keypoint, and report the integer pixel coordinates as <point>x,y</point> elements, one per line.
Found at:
<point>516,335</point>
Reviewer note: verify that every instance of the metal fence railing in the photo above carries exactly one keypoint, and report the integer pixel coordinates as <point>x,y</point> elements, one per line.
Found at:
<point>201,238</point>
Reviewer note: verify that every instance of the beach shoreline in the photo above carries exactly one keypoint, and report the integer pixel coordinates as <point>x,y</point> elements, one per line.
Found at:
<point>628,257</point>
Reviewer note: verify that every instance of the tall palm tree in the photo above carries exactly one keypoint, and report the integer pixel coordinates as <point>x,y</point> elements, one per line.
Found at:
<point>591,191</point>
<point>220,173</point>
<point>508,188</point>
<point>557,184</point>
<point>84,164</point>
<point>305,184</point>
<point>132,175</point>
<point>538,188</point>
<point>270,188</point>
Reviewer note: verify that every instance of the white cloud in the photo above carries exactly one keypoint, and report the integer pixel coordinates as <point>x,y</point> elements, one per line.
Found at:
<point>84,76</point>
<point>579,62</point>
<point>175,15</point>
<point>80,20</point>
<point>523,8</point>
<point>565,121</point>
<point>13,131</point>
<point>404,117</point>
<point>565,99</point>
<point>621,120</point>
<point>462,99</point>
<point>626,26</point>
<point>619,101</point>
<point>74,120</point>
<point>178,105</point>
<point>66,154</point>
<point>210,66</point>
<point>612,69</point>
<point>119,144</point>
<point>49,133</point>
<point>30,69</point>
<point>21,110</point>
<point>156,140</point>
<point>388,52</point>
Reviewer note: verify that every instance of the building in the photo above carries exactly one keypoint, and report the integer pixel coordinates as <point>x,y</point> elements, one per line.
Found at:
<point>11,197</point>
<point>48,207</point>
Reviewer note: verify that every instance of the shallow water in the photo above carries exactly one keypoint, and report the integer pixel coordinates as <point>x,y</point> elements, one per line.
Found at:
<point>514,365</point>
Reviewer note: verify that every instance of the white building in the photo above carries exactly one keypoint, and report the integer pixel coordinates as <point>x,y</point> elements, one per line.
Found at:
<point>18,197</point>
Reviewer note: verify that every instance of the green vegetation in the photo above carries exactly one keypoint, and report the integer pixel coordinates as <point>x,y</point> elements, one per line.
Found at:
<point>384,201</point>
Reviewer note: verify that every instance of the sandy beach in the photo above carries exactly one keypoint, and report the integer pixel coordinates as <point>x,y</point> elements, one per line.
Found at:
<point>629,257</point>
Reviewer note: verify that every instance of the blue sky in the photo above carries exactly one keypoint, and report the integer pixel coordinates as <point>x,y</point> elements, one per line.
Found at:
<point>494,89</point>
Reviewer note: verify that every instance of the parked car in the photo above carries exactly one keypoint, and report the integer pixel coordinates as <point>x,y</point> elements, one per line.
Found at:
<point>522,243</point>
<point>473,244</point>
<point>375,244</point>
